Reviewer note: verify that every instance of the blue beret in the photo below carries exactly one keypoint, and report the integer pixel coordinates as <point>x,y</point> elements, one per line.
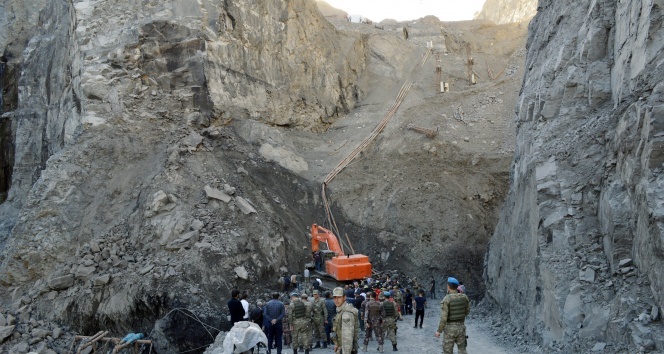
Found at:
<point>451,280</point>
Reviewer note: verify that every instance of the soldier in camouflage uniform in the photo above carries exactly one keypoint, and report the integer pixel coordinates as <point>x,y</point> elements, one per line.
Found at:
<point>346,325</point>
<point>299,313</point>
<point>455,307</point>
<point>390,322</point>
<point>374,314</point>
<point>288,336</point>
<point>319,320</point>
<point>398,298</point>
<point>363,309</point>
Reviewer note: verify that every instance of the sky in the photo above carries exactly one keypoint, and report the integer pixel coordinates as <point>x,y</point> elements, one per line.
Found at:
<point>401,10</point>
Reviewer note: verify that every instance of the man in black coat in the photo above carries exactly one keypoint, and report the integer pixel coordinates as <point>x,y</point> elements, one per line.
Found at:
<point>235,307</point>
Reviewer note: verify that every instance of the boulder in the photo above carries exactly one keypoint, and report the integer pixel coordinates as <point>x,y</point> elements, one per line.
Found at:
<point>5,332</point>
<point>244,206</point>
<point>20,348</point>
<point>625,263</point>
<point>83,272</point>
<point>284,157</point>
<point>229,190</point>
<point>102,280</point>
<point>56,332</point>
<point>587,275</point>
<point>217,194</point>
<point>61,283</point>
<point>241,272</point>
<point>185,241</point>
<point>146,269</point>
<point>654,313</point>
<point>94,247</point>
<point>598,347</point>
<point>197,225</point>
<point>40,333</point>
<point>192,141</point>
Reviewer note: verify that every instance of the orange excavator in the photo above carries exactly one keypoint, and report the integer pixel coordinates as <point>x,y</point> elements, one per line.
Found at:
<point>338,265</point>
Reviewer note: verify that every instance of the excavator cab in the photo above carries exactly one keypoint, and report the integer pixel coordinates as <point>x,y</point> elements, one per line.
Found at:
<point>338,265</point>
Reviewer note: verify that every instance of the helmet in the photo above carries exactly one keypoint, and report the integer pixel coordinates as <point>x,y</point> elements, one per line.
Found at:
<point>453,281</point>
<point>315,292</point>
<point>338,292</point>
<point>304,296</point>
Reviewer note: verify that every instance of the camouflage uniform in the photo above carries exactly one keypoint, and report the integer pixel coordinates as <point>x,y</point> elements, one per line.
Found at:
<point>398,297</point>
<point>454,307</point>
<point>374,314</point>
<point>363,319</point>
<point>390,323</point>
<point>346,329</point>
<point>300,320</point>
<point>288,338</point>
<point>319,316</point>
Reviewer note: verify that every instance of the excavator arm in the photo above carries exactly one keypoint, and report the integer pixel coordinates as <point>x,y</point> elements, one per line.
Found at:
<point>321,234</point>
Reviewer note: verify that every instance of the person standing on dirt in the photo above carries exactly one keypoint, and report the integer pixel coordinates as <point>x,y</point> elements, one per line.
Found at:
<point>409,302</point>
<point>286,282</point>
<point>391,317</point>
<point>397,295</point>
<point>318,261</point>
<point>432,288</point>
<point>300,322</point>
<point>319,311</point>
<point>307,280</point>
<point>454,307</point>
<point>273,316</point>
<point>245,306</point>
<point>293,281</point>
<point>345,326</point>
<point>235,307</point>
<point>363,308</point>
<point>331,312</point>
<point>420,303</point>
<point>256,315</point>
<point>374,314</point>
<point>359,300</point>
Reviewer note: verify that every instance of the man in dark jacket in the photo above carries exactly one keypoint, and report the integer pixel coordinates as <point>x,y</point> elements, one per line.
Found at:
<point>235,307</point>
<point>273,316</point>
<point>256,314</point>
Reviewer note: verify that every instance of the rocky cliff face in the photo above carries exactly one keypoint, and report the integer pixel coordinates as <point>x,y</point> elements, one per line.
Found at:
<point>578,252</point>
<point>508,11</point>
<point>64,63</point>
<point>41,104</point>
<point>99,230</point>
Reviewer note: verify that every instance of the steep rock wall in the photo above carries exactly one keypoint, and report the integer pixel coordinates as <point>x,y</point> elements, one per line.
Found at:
<point>576,253</point>
<point>42,108</point>
<point>278,62</point>
<point>508,11</point>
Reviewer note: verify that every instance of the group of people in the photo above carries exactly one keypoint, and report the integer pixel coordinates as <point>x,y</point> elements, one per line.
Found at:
<point>373,306</point>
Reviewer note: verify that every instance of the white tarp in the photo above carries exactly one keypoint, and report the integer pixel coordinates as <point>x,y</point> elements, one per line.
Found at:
<point>355,18</point>
<point>243,336</point>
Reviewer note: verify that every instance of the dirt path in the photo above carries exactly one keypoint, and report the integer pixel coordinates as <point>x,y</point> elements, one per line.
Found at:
<point>412,340</point>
